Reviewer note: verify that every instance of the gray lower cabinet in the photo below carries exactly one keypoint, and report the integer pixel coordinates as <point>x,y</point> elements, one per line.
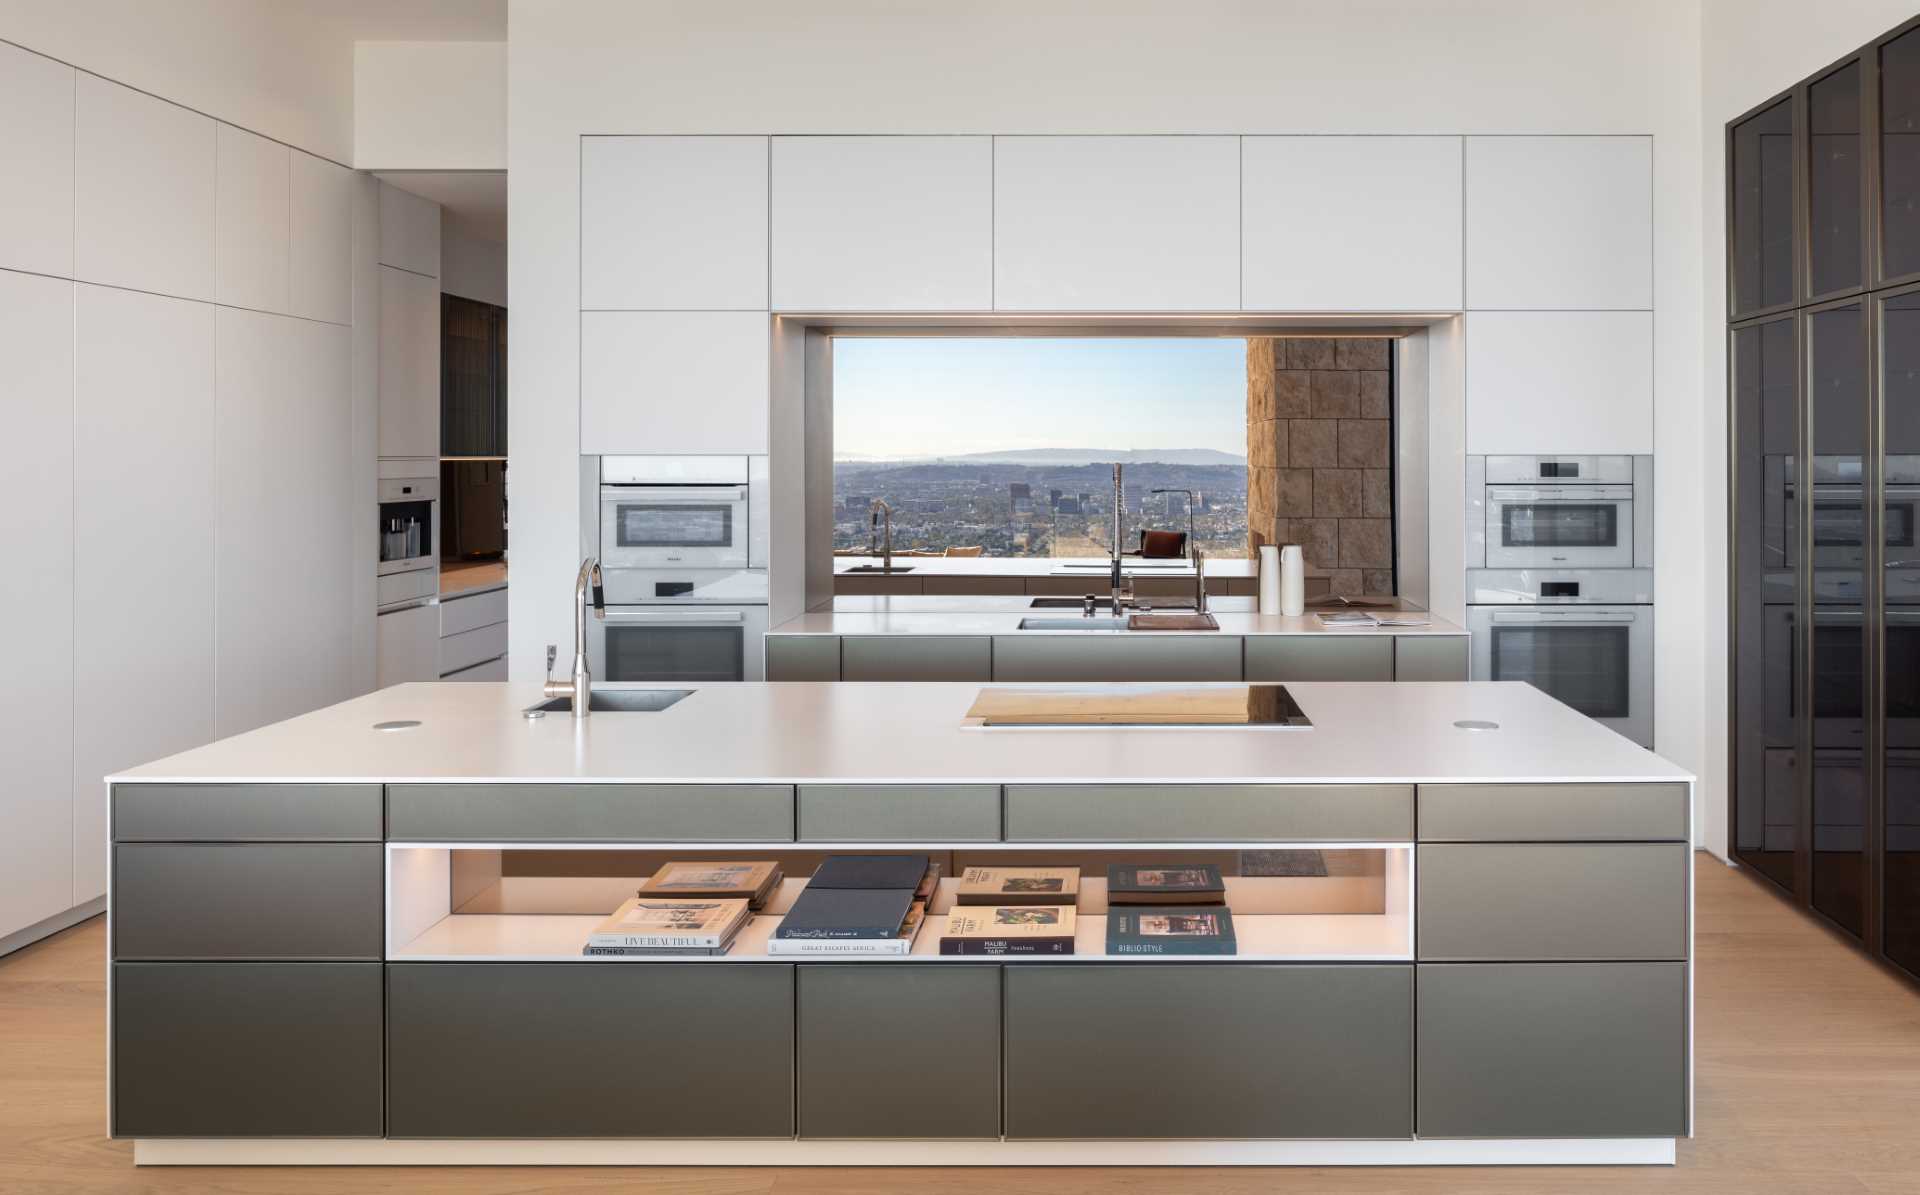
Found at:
<point>916,657</point>
<point>589,1050</point>
<point>1209,812</point>
<point>1210,1050</point>
<point>907,1050</point>
<point>247,813</point>
<point>1093,656</point>
<point>928,813</point>
<point>1362,656</point>
<point>247,1050</point>
<point>1553,812</point>
<point>590,812</point>
<point>1430,657</point>
<point>1552,1050</point>
<point>179,900</point>
<point>803,657</point>
<point>1509,902</point>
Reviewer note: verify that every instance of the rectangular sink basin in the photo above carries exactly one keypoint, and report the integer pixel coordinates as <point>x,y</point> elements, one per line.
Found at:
<point>1073,624</point>
<point>875,568</point>
<point>1068,603</point>
<point>617,701</point>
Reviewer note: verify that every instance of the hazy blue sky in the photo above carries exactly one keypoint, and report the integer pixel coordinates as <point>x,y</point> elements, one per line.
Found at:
<point>905,397</point>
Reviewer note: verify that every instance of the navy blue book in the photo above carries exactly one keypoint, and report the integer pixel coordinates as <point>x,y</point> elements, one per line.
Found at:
<point>869,871</point>
<point>846,913</point>
<point>1193,929</point>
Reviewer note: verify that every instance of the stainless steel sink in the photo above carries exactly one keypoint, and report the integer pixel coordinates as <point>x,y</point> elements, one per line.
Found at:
<point>616,701</point>
<point>1068,603</point>
<point>875,568</point>
<point>1073,624</point>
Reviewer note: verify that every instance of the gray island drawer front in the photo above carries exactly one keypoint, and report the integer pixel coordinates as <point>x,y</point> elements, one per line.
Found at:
<point>1552,1050</point>
<point>1319,657</point>
<point>1209,813</point>
<point>1430,657</point>
<point>247,901</point>
<point>590,812</point>
<point>916,657</point>
<point>929,813</point>
<point>611,1049</point>
<point>803,657</point>
<point>1235,1050</point>
<point>1105,657</point>
<point>247,1049</point>
<point>1519,901</point>
<point>905,1050</point>
<point>1553,812</point>
<point>246,813</point>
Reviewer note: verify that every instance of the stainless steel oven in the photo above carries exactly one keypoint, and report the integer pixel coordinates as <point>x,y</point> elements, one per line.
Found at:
<point>1559,512</point>
<point>1598,659</point>
<point>678,643</point>
<point>675,512</point>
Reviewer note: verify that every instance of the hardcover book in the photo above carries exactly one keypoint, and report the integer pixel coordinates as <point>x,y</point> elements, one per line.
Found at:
<point>1009,929</point>
<point>846,913</point>
<point>671,924</point>
<point>726,878</point>
<point>1192,929</point>
<point>900,944</point>
<point>655,952</point>
<point>1165,884</point>
<point>869,871</point>
<point>1018,886</point>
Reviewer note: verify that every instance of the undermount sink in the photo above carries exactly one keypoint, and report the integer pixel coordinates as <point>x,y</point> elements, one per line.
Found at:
<point>616,701</point>
<point>878,568</point>
<point>1108,623</point>
<point>1068,603</point>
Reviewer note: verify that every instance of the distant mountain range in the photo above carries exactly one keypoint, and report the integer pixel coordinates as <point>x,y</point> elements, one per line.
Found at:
<point>1063,457</point>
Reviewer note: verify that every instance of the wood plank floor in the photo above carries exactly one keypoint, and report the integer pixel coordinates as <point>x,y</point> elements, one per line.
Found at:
<point>1808,1057</point>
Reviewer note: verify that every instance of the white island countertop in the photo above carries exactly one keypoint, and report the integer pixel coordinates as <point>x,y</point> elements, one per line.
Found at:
<point>859,733</point>
<point>1001,615</point>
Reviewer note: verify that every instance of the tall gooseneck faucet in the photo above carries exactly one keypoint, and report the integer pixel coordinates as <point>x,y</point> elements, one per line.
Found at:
<point>1121,596</point>
<point>580,688</point>
<point>875,513</point>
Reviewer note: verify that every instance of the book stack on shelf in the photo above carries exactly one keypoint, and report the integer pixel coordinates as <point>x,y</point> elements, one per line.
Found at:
<point>858,906</point>
<point>756,881</point>
<point>1168,909</point>
<point>644,926</point>
<point>1013,910</point>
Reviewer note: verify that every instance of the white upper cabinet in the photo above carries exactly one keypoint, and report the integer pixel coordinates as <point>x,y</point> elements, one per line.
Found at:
<point>1351,224</point>
<point>882,223</point>
<point>673,223</point>
<point>36,597</point>
<point>143,192</point>
<point>320,254</point>
<point>409,233</point>
<point>36,163</point>
<point>250,221</point>
<point>1116,223</point>
<point>673,381</point>
<point>1559,381</point>
<point>409,364</point>
<point>144,508</point>
<point>1560,223</point>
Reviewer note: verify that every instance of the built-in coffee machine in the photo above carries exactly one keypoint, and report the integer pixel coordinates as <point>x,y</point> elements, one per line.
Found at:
<point>409,569</point>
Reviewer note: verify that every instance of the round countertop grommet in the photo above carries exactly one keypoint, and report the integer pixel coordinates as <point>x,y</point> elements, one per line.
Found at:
<point>400,724</point>
<point>1476,724</point>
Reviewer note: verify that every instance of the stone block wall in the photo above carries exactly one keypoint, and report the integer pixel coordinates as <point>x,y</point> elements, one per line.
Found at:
<point>1320,455</point>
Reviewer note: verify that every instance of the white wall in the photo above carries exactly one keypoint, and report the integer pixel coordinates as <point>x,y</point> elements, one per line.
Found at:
<point>430,105</point>
<point>1006,66</point>
<point>472,268</point>
<point>1751,50</point>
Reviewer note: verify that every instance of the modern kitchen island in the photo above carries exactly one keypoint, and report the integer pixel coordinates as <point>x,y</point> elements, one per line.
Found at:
<point>334,942</point>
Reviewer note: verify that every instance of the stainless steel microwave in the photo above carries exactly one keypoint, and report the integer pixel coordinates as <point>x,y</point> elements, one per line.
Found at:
<point>1581,512</point>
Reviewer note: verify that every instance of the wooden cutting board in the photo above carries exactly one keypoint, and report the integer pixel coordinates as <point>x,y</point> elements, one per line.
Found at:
<point>1119,705</point>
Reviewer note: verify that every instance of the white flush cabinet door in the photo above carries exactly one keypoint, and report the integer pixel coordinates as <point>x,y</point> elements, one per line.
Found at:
<point>143,518</point>
<point>409,645</point>
<point>283,425</point>
<point>409,232</point>
<point>36,598</point>
<point>409,364</point>
<point>36,163</point>
<point>1351,224</point>
<point>673,223</point>
<point>1560,381</point>
<point>1560,223</point>
<point>882,223</point>
<point>1116,223</point>
<point>143,192</point>
<point>250,221</point>
<point>320,239</point>
<point>673,381</point>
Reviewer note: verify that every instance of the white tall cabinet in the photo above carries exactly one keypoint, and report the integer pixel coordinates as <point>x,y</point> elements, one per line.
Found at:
<point>36,185</point>
<point>251,211</point>
<point>673,223</point>
<point>36,598</point>
<point>143,192</point>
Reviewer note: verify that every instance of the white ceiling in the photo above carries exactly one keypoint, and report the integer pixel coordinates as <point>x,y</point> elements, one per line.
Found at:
<point>414,20</point>
<point>474,202</point>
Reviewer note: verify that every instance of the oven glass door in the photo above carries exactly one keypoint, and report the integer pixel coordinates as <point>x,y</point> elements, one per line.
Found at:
<point>671,649</point>
<point>694,526</point>
<point>1587,665</point>
<point>1560,527</point>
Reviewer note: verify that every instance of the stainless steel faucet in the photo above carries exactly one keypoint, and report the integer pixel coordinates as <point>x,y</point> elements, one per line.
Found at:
<point>580,688</point>
<point>1122,591</point>
<point>874,515</point>
<point>1199,577</point>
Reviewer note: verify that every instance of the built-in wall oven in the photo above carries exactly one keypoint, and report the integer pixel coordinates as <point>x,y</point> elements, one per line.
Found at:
<point>677,512</point>
<point>1559,512</point>
<point>1584,637</point>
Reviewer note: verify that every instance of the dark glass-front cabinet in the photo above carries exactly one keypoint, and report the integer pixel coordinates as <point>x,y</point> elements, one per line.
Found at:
<point>1823,374</point>
<point>473,378</point>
